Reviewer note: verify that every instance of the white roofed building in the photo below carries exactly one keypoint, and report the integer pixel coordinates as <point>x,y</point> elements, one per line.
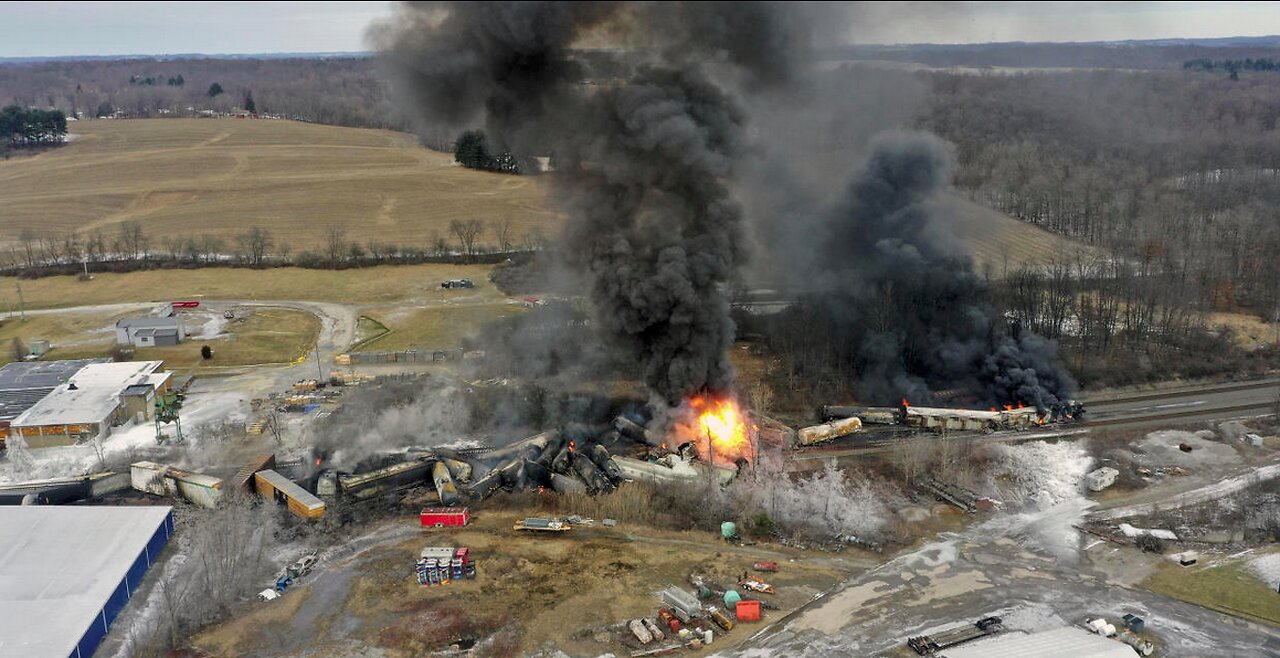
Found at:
<point>90,403</point>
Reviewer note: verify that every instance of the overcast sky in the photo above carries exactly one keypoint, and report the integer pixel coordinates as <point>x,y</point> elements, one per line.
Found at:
<point>29,29</point>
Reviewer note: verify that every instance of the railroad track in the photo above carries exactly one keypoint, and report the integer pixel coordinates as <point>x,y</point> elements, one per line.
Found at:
<point>1184,392</point>
<point>1212,412</point>
<point>872,446</point>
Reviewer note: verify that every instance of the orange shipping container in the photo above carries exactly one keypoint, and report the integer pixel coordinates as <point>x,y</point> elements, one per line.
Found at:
<point>748,611</point>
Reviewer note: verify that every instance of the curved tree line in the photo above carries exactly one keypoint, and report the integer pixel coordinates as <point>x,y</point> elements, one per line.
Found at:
<point>20,126</point>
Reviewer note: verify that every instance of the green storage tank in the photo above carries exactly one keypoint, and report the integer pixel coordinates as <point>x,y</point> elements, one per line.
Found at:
<point>731,598</point>
<point>728,529</point>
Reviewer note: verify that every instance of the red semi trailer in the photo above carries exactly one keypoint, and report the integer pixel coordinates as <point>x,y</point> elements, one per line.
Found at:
<point>440,517</point>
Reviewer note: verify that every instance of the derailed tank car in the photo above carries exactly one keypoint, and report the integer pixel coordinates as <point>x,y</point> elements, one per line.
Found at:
<point>971,420</point>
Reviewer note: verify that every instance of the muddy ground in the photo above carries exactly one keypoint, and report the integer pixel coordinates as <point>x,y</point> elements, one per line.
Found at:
<point>531,592</point>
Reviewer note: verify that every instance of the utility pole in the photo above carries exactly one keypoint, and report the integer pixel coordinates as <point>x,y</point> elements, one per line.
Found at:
<point>22,309</point>
<point>319,364</point>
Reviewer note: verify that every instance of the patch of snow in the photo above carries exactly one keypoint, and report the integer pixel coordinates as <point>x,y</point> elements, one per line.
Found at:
<point>1048,480</point>
<point>68,461</point>
<point>1161,449</point>
<point>1130,531</point>
<point>212,327</point>
<point>1267,567</point>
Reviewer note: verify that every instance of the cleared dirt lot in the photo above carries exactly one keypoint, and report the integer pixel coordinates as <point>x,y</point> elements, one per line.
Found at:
<point>529,589</point>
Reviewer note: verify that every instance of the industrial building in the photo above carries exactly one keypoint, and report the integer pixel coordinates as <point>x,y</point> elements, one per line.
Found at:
<point>150,332</point>
<point>24,383</point>
<point>96,398</point>
<point>67,572</point>
<point>1067,642</point>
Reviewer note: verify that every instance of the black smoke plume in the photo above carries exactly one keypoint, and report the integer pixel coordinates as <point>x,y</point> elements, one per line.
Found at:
<point>900,297</point>
<point>642,158</point>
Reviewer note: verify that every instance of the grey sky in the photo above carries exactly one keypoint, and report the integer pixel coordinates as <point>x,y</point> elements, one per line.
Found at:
<point>30,29</point>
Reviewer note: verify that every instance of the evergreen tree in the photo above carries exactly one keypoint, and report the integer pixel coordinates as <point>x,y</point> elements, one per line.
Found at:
<point>471,150</point>
<point>248,103</point>
<point>215,89</point>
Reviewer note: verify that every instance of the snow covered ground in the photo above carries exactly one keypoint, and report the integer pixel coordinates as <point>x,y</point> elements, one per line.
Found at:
<point>66,461</point>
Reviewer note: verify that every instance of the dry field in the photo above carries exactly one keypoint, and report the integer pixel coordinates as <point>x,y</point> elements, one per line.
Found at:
<point>1001,244</point>
<point>91,333</point>
<point>267,335</point>
<point>369,285</point>
<point>433,327</point>
<point>192,177</point>
<point>189,177</point>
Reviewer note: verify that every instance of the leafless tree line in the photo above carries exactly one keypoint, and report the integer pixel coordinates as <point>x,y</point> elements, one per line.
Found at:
<point>222,557</point>
<point>346,91</point>
<point>254,247</point>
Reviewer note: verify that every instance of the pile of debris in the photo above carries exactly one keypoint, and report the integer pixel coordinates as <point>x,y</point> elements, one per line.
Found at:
<point>684,621</point>
<point>292,573</point>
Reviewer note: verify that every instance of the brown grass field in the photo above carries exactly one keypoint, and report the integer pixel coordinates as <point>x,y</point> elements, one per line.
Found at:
<point>369,285</point>
<point>267,335</point>
<point>1228,587</point>
<point>193,177</point>
<point>1001,244</point>
<point>433,327</point>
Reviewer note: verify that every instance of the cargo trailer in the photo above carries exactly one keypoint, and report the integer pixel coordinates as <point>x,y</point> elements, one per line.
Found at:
<point>440,517</point>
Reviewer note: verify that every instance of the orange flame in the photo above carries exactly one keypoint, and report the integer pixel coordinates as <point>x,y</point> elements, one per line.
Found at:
<point>717,426</point>
<point>905,404</point>
<point>572,445</point>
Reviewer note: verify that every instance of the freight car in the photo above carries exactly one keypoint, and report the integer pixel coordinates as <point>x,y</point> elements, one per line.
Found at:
<point>383,480</point>
<point>274,486</point>
<point>971,420</point>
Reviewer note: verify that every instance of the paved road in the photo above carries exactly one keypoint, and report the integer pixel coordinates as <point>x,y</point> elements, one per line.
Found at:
<point>1213,401</point>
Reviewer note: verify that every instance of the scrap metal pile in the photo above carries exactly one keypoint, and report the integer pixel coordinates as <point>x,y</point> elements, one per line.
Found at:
<point>692,619</point>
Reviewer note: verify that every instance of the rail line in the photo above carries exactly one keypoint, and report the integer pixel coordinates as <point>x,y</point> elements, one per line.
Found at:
<point>1184,392</point>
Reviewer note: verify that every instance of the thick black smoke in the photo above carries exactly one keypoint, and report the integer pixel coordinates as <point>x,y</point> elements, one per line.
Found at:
<point>642,161</point>
<point>903,303</point>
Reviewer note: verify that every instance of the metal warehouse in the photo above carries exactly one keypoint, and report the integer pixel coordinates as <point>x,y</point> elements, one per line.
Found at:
<point>1067,642</point>
<point>67,572</point>
<point>96,398</point>
<point>24,383</point>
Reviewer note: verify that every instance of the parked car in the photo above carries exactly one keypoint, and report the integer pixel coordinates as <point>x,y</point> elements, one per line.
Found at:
<point>268,595</point>
<point>302,566</point>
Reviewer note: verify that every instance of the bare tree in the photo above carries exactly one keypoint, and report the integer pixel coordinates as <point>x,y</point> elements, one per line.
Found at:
<point>336,244</point>
<point>467,232</point>
<point>95,247</point>
<point>133,240</point>
<point>502,231</point>
<point>28,239</point>
<point>255,244</point>
<point>534,239</point>
<point>274,425</point>
<point>72,250</point>
<point>211,246</point>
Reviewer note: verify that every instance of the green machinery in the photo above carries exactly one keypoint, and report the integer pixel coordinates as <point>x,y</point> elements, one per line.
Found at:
<point>167,407</point>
